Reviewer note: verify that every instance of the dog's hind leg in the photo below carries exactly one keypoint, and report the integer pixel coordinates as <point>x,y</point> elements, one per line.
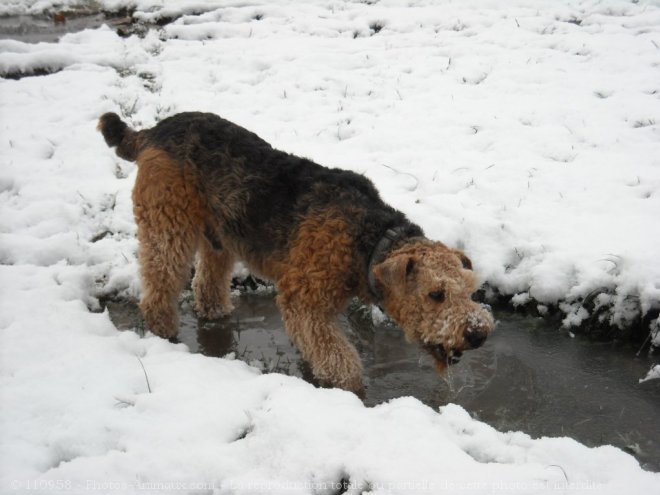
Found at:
<point>212,282</point>
<point>168,212</point>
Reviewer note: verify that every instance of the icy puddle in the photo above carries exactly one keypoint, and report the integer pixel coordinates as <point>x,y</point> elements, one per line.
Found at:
<point>35,28</point>
<point>529,376</point>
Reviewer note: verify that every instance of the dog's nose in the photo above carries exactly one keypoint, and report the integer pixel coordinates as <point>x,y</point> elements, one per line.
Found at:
<point>475,338</point>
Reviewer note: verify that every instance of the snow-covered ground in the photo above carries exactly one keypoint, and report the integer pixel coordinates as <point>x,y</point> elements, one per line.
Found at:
<point>526,132</point>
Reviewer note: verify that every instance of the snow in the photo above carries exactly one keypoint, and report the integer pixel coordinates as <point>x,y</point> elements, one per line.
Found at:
<point>527,135</point>
<point>532,141</point>
<point>653,374</point>
<point>82,412</point>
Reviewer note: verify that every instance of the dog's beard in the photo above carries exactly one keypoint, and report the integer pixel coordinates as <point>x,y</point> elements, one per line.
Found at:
<point>443,358</point>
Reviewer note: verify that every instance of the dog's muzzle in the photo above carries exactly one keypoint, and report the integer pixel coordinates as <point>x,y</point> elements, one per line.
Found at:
<point>475,338</point>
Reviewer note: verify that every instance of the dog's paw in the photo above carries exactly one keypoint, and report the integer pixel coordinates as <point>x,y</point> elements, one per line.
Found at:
<point>212,312</point>
<point>211,301</point>
<point>160,319</point>
<point>164,328</point>
<point>341,370</point>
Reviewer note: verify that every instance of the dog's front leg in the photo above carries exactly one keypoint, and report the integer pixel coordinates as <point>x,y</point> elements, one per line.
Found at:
<point>320,339</point>
<point>313,290</point>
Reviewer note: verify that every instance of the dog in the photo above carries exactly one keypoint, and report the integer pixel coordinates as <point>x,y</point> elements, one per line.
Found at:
<point>209,187</point>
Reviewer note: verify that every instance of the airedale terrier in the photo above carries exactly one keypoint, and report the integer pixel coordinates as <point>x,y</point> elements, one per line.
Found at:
<point>207,186</point>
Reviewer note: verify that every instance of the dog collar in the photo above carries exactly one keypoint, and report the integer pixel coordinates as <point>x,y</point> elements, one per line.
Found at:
<point>390,237</point>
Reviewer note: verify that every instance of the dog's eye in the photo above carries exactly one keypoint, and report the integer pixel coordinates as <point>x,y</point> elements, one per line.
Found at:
<point>437,295</point>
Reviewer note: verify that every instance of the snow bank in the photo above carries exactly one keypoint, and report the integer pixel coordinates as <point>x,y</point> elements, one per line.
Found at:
<point>653,374</point>
<point>527,135</point>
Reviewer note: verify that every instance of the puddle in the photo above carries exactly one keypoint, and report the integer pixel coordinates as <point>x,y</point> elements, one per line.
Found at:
<point>529,375</point>
<point>50,28</point>
<point>35,29</point>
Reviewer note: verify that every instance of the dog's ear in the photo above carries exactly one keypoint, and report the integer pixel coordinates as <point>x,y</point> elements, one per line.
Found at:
<point>465,261</point>
<point>398,271</point>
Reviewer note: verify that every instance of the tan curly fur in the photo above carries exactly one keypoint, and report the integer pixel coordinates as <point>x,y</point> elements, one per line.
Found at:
<point>435,268</point>
<point>313,290</point>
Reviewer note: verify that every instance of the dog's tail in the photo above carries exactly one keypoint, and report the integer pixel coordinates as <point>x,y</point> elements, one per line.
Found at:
<point>117,133</point>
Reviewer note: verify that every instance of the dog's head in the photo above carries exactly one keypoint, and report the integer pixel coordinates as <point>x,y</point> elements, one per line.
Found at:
<point>427,289</point>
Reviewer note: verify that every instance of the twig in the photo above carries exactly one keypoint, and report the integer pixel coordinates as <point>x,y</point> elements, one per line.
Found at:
<point>648,337</point>
<point>146,377</point>
<point>404,173</point>
<point>562,470</point>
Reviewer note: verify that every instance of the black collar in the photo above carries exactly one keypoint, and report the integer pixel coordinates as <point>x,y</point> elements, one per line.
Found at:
<point>384,245</point>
